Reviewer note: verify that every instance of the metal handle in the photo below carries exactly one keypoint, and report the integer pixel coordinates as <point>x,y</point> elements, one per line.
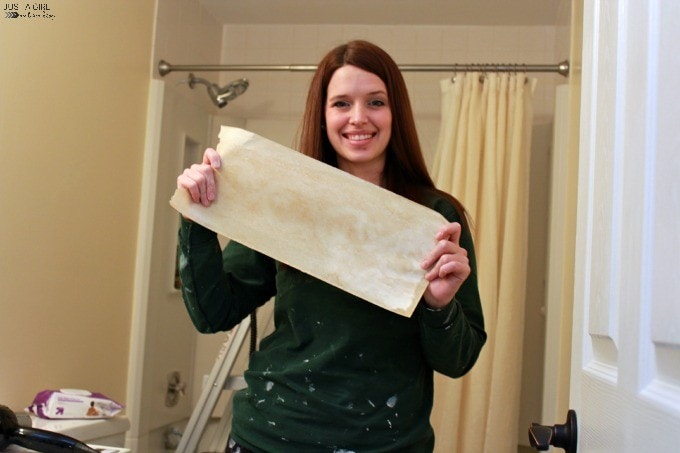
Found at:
<point>561,436</point>
<point>175,389</point>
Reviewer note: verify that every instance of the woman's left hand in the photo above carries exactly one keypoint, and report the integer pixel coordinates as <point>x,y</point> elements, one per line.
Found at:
<point>447,267</point>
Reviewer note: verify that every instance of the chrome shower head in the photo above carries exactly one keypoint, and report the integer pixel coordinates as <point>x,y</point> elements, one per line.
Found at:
<point>230,92</point>
<point>221,96</point>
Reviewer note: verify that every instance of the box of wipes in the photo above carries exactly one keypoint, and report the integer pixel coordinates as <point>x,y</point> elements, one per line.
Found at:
<point>73,403</point>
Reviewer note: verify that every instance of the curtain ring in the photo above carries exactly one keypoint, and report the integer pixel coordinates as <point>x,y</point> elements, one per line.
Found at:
<point>455,73</point>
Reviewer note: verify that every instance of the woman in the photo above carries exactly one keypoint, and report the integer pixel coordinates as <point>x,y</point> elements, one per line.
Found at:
<point>338,373</point>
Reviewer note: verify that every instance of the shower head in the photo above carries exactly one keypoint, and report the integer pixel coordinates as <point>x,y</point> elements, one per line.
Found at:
<point>221,96</point>
<point>233,90</point>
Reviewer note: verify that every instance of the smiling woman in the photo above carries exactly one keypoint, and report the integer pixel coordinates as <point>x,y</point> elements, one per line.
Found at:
<point>360,375</point>
<point>359,122</point>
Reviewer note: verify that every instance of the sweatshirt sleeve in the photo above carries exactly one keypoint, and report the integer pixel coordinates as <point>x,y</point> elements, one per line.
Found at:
<point>221,287</point>
<point>452,337</point>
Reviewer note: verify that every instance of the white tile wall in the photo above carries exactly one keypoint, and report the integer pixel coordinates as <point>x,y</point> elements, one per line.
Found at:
<point>281,94</point>
<point>187,33</point>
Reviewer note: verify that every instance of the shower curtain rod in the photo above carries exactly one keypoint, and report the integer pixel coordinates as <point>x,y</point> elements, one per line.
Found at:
<point>561,68</point>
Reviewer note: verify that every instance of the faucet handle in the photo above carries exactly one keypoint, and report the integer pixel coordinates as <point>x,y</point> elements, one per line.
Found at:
<point>176,388</point>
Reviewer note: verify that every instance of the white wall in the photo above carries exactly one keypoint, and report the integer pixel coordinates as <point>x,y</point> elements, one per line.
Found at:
<point>280,96</point>
<point>277,94</point>
<point>163,337</point>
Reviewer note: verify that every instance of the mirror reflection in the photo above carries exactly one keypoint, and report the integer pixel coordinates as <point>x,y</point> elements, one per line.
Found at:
<point>99,296</point>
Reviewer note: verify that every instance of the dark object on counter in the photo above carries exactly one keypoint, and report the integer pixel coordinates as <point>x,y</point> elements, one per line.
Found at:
<point>40,440</point>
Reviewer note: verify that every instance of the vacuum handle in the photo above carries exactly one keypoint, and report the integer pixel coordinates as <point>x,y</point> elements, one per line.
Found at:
<point>48,442</point>
<point>40,440</point>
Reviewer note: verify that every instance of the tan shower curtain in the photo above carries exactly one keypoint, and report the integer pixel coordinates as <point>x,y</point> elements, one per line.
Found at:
<point>483,160</point>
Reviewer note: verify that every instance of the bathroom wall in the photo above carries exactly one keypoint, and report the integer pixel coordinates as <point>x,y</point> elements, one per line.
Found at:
<point>565,257</point>
<point>163,338</point>
<point>73,90</point>
<point>278,97</point>
<point>274,101</point>
<point>536,335</point>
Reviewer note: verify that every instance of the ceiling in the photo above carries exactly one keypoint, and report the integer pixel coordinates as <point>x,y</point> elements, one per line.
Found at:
<point>382,12</point>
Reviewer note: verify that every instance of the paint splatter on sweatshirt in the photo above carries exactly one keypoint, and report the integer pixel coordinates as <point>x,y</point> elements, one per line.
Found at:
<point>338,373</point>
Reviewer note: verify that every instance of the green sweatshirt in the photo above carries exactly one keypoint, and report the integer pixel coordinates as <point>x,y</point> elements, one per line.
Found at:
<point>338,374</point>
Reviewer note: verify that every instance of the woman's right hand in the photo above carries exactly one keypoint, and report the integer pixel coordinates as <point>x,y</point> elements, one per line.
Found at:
<point>199,179</point>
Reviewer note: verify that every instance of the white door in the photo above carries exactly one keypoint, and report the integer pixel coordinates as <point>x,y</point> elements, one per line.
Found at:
<point>625,384</point>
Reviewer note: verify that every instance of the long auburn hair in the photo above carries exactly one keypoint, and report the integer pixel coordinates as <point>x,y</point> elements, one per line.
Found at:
<point>405,172</point>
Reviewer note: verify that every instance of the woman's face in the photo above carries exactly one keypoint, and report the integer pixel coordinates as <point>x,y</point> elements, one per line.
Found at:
<point>358,121</point>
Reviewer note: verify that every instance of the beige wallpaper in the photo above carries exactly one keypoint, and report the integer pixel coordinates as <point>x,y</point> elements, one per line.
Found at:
<point>73,90</point>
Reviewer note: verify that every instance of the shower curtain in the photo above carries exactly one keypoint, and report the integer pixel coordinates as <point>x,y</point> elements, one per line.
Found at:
<point>482,159</point>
